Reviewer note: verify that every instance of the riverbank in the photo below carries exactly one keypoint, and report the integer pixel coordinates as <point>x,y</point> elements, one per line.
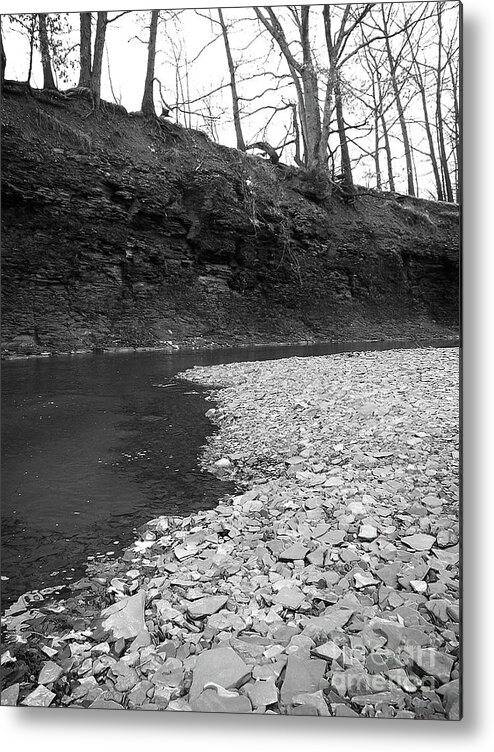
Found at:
<point>187,241</point>
<point>328,586</point>
<point>421,336</point>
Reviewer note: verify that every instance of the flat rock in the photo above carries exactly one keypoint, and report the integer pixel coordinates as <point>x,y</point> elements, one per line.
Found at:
<point>289,597</point>
<point>312,699</point>
<point>323,625</point>
<point>364,579</point>
<point>419,541</point>
<point>222,666</point>
<point>432,662</point>
<point>367,532</point>
<point>125,618</point>
<point>10,695</point>
<point>450,693</point>
<point>209,701</point>
<point>328,651</point>
<point>446,538</point>
<point>41,697</point>
<point>206,606</point>
<point>293,553</point>
<point>50,673</point>
<point>262,693</point>
<point>302,675</point>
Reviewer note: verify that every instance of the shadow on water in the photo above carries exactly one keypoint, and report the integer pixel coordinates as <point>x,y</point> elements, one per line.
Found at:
<point>95,445</point>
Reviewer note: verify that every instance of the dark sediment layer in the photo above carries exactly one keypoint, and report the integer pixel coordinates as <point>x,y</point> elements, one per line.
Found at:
<point>121,232</point>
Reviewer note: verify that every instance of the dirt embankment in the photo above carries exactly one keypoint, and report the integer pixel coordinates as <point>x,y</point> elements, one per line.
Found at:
<point>122,232</point>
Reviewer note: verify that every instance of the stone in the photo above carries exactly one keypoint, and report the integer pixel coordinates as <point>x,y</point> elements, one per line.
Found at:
<point>209,701</point>
<point>223,463</point>
<point>400,677</point>
<point>390,697</point>
<point>419,541</point>
<point>446,538</point>
<point>125,618</point>
<point>312,699</point>
<point>363,579</point>
<point>302,675</point>
<point>432,662</point>
<point>450,692</point>
<point>302,710</point>
<point>41,697</point>
<point>357,507</point>
<point>10,695</point>
<point>453,611</point>
<point>316,557</point>
<point>226,621</point>
<point>220,665</point>
<point>367,532</point>
<point>206,606</point>
<point>125,677</point>
<point>140,693</point>
<point>328,651</point>
<point>102,704</point>
<point>388,574</point>
<point>50,673</point>
<point>142,640</point>
<point>432,502</point>
<point>293,553</point>
<point>262,693</point>
<point>317,626</point>
<point>343,711</point>
<point>420,586</point>
<point>289,597</point>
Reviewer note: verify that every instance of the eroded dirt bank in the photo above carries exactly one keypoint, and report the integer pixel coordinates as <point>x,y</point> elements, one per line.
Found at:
<point>121,232</point>
<point>329,586</point>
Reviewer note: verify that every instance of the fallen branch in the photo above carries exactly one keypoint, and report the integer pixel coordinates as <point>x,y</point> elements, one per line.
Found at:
<point>267,149</point>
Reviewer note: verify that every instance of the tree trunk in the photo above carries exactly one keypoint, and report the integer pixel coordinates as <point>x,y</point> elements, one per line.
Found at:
<point>48,80</point>
<point>296,136</point>
<point>387,143</point>
<point>99,46</point>
<point>32,34</point>
<point>399,107</point>
<point>377,165</point>
<point>147,105</point>
<point>439,117</point>
<point>427,126</point>
<point>233,84</point>
<point>2,53</point>
<point>346,165</point>
<point>85,50</point>
<point>430,141</point>
<point>305,81</point>
<point>311,94</point>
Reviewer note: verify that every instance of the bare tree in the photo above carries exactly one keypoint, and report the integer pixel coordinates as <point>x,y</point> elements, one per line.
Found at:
<point>147,105</point>
<point>439,115</point>
<point>85,50</point>
<point>393,62</point>
<point>48,80</point>
<point>2,53</point>
<point>420,76</point>
<point>99,46</point>
<point>233,83</point>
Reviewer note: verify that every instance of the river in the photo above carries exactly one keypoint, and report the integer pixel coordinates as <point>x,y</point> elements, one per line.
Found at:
<point>95,445</point>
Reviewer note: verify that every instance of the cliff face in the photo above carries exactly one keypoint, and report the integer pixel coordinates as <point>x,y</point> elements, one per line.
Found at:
<point>119,232</point>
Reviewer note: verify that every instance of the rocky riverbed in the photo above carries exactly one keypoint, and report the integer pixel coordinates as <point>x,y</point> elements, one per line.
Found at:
<point>329,585</point>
